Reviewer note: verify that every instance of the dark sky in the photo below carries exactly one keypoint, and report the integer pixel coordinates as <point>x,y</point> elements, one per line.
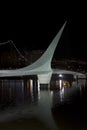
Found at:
<point>34,25</point>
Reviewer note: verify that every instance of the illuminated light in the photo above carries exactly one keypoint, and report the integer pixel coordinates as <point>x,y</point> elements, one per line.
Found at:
<point>31,86</point>
<point>38,89</point>
<point>66,84</point>
<point>38,84</point>
<point>31,82</point>
<point>51,93</point>
<point>31,90</point>
<point>60,75</point>
<point>62,90</point>
<point>62,94</point>
<point>60,84</point>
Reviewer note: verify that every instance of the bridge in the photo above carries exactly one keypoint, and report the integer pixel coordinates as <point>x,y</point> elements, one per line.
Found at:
<point>41,67</point>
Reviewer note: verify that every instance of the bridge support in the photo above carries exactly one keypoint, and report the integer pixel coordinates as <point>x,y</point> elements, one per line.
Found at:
<point>44,79</point>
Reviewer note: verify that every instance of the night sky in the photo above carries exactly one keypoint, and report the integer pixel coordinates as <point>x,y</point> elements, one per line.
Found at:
<point>34,25</point>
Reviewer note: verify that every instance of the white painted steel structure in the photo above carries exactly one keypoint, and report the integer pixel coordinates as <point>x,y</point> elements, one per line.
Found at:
<point>41,67</point>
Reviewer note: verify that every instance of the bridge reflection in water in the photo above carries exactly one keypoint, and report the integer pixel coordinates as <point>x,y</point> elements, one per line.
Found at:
<point>66,99</point>
<point>18,90</point>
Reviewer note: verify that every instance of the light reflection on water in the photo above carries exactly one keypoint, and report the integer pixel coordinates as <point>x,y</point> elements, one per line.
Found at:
<point>23,98</point>
<point>18,91</point>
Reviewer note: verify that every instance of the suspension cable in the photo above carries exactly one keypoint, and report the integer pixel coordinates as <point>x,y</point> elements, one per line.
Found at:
<point>10,41</point>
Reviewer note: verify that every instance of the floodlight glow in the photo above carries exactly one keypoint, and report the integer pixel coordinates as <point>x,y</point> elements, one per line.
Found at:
<point>60,84</point>
<point>60,75</point>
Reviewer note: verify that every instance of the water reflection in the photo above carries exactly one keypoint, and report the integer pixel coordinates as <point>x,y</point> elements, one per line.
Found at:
<point>66,91</point>
<point>69,105</point>
<point>64,103</point>
<point>18,91</point>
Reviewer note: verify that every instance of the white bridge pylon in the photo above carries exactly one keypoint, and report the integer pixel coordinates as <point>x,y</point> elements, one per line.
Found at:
<point>41,67</point>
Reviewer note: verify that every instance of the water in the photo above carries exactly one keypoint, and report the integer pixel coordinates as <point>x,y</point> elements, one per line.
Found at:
<point>61,107</point>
